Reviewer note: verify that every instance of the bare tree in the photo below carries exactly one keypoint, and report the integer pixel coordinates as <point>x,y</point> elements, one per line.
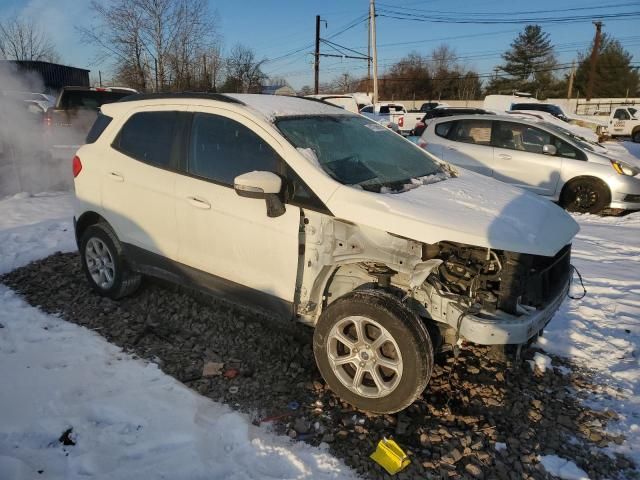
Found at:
<point>163,43</point>
<point>244,73</point>
<point>22,39</point>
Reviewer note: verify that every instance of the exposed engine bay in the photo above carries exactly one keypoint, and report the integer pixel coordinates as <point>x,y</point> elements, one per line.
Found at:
<point>494,279</point>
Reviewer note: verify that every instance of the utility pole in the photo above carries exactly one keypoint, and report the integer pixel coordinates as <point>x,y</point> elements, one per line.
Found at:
<point>571,75</point>
<point>316,65</point>
<point>100,77</point>
<point>372,15</point>
<point>594,59</point>
<point>369,54</point>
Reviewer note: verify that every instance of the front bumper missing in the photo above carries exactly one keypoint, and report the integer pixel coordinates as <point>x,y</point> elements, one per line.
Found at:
<point>500,328</point>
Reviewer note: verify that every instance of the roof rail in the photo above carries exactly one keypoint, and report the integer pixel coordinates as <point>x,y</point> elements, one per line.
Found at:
<point>201,95</point>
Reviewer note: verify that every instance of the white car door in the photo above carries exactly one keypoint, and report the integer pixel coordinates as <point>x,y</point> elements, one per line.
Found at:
<point>519,158</point>
<point>620,124</point>
<point>467,143</point>
<point>139,181</point>
<point>221,233</point>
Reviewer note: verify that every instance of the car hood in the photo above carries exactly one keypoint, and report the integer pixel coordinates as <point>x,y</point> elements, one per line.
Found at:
<point>469,208</point>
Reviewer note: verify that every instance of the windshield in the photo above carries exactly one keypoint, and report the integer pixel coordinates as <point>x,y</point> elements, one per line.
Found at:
<point>583,142</point>
<point>356,151</point>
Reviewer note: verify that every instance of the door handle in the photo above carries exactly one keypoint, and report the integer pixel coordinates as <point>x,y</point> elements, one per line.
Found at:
<point>452,148</point>
<point>116,177</point>
<point>199,202</point>
<point>504,156</point>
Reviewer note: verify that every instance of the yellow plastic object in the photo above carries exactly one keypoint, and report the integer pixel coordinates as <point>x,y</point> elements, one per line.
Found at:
<point>390,456</point>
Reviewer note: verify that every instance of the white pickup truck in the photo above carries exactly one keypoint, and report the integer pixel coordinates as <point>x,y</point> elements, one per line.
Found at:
<point>389,113</point>
<point>625,122</point>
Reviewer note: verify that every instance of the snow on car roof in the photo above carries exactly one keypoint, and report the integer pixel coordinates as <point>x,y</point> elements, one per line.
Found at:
<point>273,106</point>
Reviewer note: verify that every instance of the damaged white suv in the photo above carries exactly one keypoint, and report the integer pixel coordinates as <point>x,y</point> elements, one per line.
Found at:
<point>314,213</point>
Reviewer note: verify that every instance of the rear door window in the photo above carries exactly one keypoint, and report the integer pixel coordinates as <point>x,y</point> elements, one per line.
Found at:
<point>443,129</point>
<point>149,137</point>
<point>471,131</point>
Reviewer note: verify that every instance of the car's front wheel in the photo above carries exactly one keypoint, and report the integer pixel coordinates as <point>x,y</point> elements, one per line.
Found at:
<point>636,136</point>
<point>372,351</point>
<point>585,195</point>
<point>104,264</point>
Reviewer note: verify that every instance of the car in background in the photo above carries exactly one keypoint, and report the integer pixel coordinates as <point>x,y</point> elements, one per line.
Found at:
<point>42,100</point>
<point>348,102</point>
<point>68,122</point>
<point>539,157</point>
<point>625,121</point>
<point>551,108</point>
<point>445,112</point>
<point>390,113</point>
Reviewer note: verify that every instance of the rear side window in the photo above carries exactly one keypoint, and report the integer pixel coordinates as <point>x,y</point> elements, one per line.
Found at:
<point>221,149</point>
<point>98,127</point>
<point>443,129</point>
<point>471,131</point>
<point>148,137</point>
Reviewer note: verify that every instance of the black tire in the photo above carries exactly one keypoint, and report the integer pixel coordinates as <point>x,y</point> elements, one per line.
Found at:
<point>585,195</point>
<point>125,281</point>
<point>406,329</point>
<point>636,136</point>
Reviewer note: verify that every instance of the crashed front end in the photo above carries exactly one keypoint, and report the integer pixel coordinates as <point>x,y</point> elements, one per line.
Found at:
<point>493,297</point>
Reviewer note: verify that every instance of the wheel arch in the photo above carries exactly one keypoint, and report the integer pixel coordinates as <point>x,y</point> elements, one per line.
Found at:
<point>584,177</point>
<point>85,221</point>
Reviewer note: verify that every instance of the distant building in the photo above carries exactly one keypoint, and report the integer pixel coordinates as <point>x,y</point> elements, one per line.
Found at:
<point>53,75</point>
<point>278,90</point>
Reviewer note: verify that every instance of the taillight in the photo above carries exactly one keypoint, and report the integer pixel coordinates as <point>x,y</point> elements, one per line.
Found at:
<point>401,122</point>
<point>420,125</point>
<point>47,119</point>
<point>77,166</point>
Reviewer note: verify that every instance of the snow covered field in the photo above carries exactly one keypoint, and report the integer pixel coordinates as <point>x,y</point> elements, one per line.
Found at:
<point>130,420</point>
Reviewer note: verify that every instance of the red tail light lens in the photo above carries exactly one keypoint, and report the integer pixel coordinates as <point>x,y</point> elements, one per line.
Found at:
<point>77,166</point>
<point>401,122</point>
<point>419,125</point>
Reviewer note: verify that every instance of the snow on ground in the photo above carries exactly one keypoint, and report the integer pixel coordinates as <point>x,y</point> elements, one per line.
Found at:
<point>129,419</point>
<point>562,468</point>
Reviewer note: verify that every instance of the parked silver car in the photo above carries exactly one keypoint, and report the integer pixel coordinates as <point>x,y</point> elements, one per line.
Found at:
<point>538,156</point>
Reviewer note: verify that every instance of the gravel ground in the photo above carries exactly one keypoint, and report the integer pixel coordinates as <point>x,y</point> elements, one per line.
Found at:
<point>266,368</point>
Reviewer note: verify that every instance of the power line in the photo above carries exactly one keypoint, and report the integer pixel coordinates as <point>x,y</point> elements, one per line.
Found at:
<point>388,13</point>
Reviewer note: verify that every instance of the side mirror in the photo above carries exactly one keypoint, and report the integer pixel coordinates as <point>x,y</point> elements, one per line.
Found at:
<point>265,185</point>
<point>549,150</point>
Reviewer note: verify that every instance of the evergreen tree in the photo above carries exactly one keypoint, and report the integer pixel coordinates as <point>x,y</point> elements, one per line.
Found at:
<point>614,74</point>
<point>529,64</point>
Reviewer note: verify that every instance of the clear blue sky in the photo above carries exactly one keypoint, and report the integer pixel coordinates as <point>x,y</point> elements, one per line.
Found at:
<point>275,28</point>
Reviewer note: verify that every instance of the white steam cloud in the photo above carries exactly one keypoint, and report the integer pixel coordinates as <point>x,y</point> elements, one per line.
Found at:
<point>26,163</point>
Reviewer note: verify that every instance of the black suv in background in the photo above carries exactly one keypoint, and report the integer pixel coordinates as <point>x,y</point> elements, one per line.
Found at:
<point>554,110</point>
<point>68,122</point>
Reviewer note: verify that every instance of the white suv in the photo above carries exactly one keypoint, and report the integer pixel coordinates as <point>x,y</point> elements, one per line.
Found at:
<point>312,212</point>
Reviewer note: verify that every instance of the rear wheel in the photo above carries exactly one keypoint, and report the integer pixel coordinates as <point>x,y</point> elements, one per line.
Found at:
<point>104,264</point>
<point>636,136</point>
<point>585,195</point>
<point>372,351</point>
